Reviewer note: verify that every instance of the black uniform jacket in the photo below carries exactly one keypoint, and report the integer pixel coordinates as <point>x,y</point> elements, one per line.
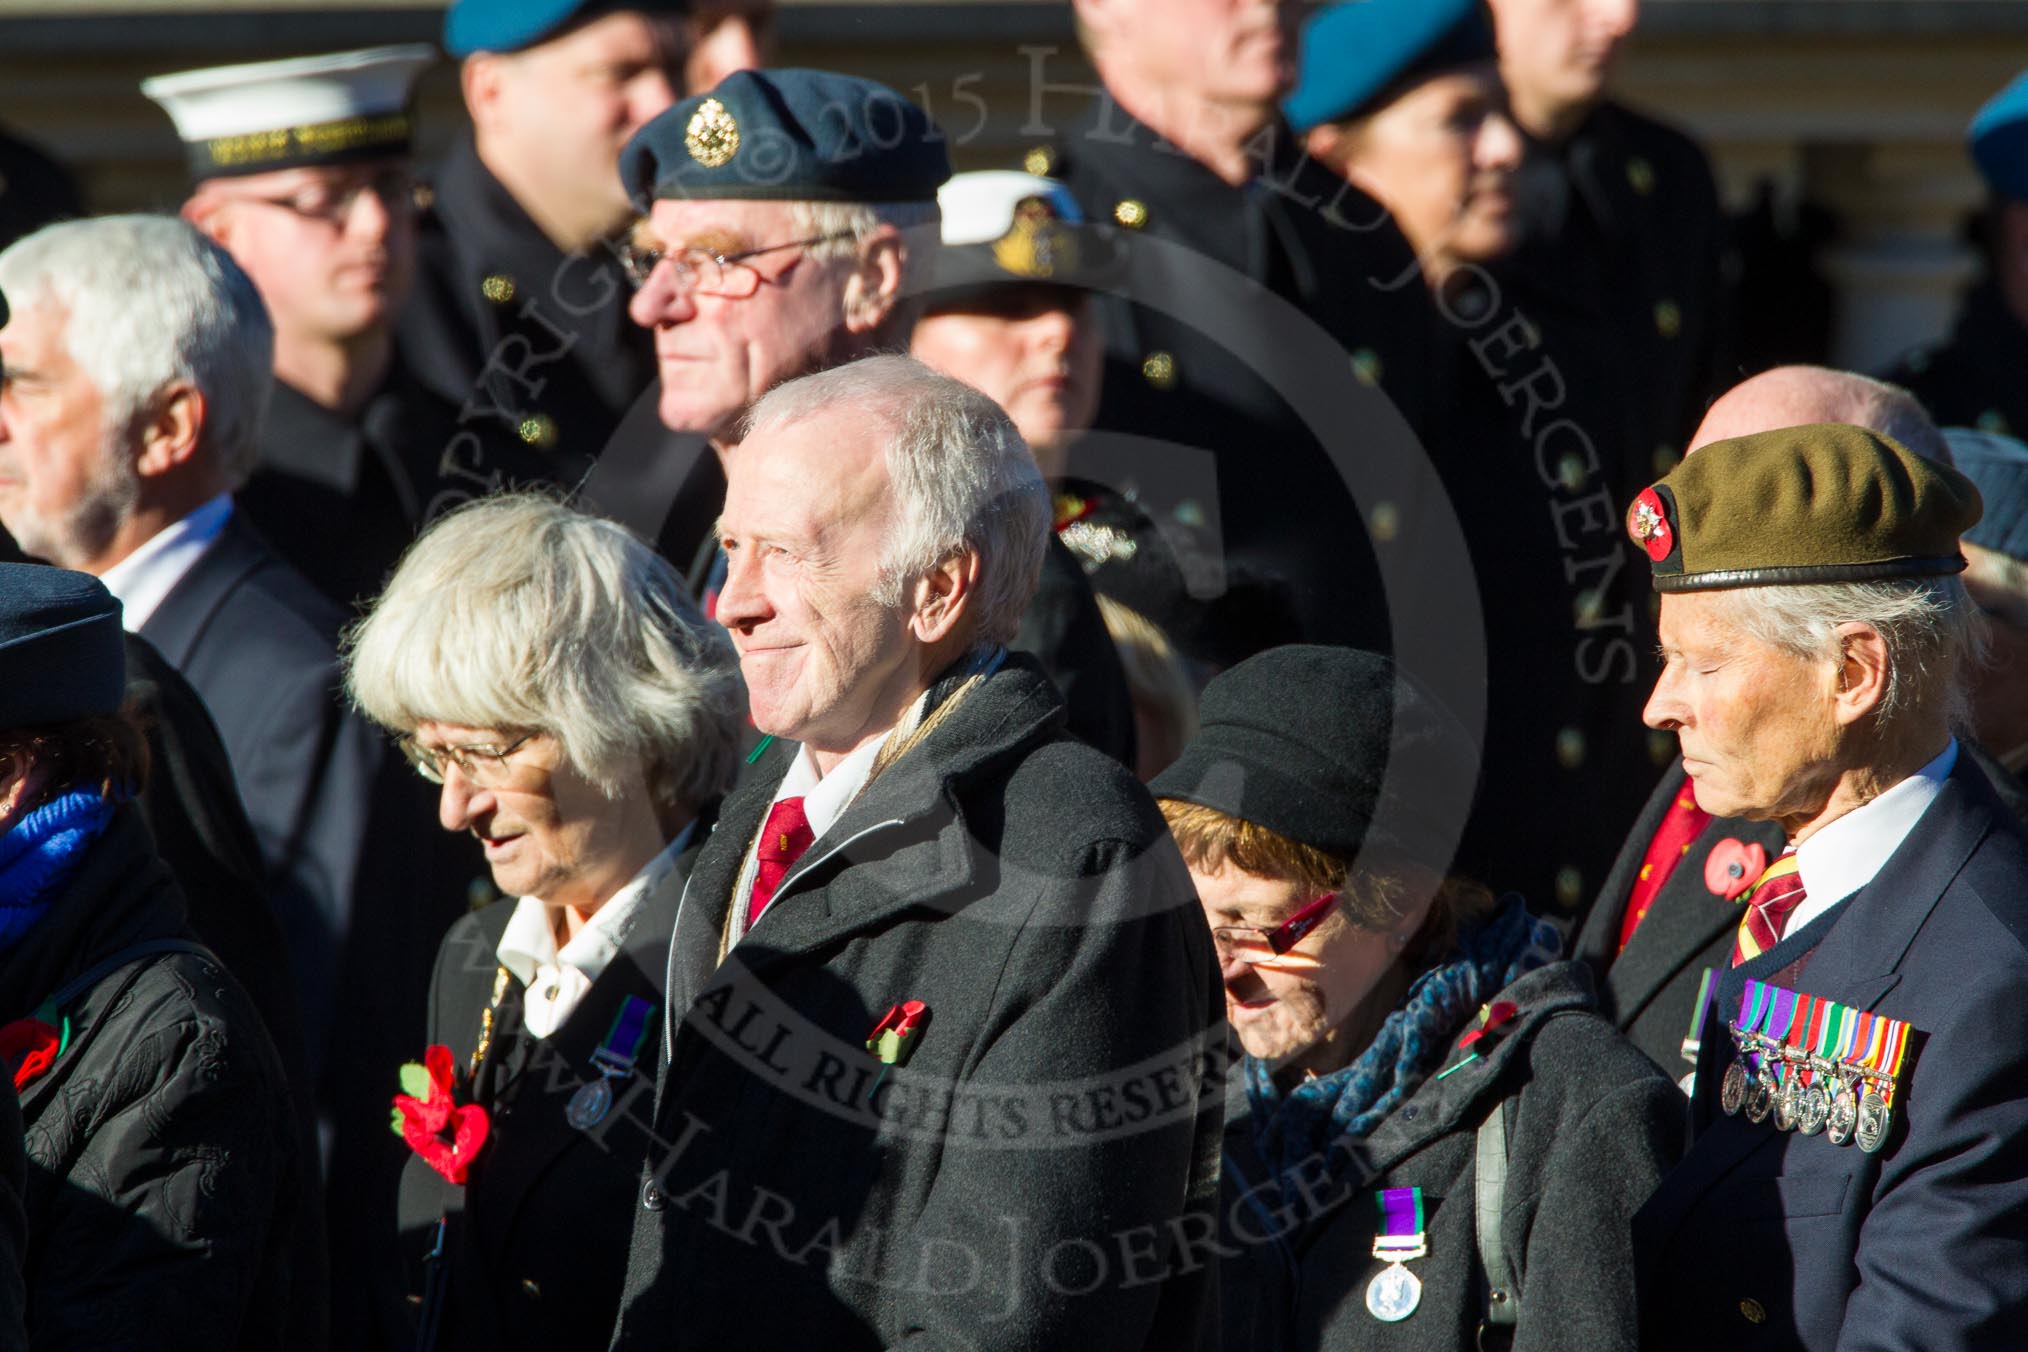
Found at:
<point>1623,270</point>
<point>1198,418</point>
<point>1065,630</point>
<point>1590,1129</point>
<point>531,348</point>
<point>169,1205</point>
<point>536,1243</point>
<point>340,497</point>
<point>1764,1238</point>
<point>1972,378</point>
<point>1032,1172</point>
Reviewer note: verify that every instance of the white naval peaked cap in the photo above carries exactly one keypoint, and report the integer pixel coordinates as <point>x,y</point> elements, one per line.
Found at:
<point>978,208</point>
<point>264,115</point>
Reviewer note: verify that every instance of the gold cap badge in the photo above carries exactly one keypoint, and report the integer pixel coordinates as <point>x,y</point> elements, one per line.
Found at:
<point>712,138</point>
<point>1035,245</point>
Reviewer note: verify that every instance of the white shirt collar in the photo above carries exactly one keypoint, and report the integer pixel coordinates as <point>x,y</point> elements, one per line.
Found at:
<point>826,797</point>
<point>1845,855</point>
<point>528,947</point>
<point>144,579</point>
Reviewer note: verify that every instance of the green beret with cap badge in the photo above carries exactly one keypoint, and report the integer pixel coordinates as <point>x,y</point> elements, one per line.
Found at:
<point>1825,502</point>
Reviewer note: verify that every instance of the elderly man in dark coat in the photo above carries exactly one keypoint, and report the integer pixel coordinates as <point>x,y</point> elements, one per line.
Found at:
<point>169,1201</point>
<point>942,999</point>
<point>1859,1162</point>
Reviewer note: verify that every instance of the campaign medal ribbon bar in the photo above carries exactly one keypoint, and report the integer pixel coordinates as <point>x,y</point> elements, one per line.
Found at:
<point>1815,1066</point>
<point>1394,1292</point>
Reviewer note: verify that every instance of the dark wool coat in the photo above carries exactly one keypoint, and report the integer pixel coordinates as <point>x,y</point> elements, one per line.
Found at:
<point>1590,1128</point>
<point>13,1224</point>
<point>1762,1238</point>
<point>1039,1172</point>
<point>537,1237</point>
<point>166,1190</point>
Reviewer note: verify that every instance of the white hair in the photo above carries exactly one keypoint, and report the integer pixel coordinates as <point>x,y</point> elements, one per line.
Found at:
<point>517,612</point>
<point>963,479</point>
<point>149,300</point>
<point>1930,627</point>
<point>917,222</point>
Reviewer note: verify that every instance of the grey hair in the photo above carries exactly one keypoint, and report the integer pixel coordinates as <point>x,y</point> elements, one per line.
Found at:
<point>148,301</point>
<point>1931,628</point>
<point>962,478</point>
<point>517,612</point>
<point>914,221</point>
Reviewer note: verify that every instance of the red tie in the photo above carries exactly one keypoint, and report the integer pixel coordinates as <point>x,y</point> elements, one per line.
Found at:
<point>1768,908</point>
<point>782,842</point>
<point>1683,824</point>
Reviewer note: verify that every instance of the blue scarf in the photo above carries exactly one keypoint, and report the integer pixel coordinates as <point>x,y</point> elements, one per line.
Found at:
<point>39,854</point>
<point>1290,1131</point>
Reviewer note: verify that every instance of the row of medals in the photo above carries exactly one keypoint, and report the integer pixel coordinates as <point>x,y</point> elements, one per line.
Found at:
<point>1855,1110</point>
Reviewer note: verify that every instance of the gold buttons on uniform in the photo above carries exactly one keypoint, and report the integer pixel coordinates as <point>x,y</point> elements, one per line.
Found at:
<point>1569,887</point>
<point>1571,472</point>
<point>1665,459</point>
<point>498,288</point>
<point>1041,161</point>
<point>1366,366</point>
<point>538,430</point>
<point>1992,420</point>
<point>1668,318</point>
<point>1755,1312</point>
<point>1159,370</point>
<point>530,1289</point>
<point>1131,213</point>
<point>1386,521</point>
<point>1570,748</point>
<point>1661,747</point>
<point>1640,175</point>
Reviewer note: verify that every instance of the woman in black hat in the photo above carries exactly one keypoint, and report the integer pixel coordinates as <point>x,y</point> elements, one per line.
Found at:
<point>1430,1135</point>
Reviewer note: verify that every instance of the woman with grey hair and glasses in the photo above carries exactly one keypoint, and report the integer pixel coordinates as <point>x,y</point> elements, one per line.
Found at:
<point>547,670</point>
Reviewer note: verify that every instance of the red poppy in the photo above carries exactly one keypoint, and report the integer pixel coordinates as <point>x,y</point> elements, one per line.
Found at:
<point>1491,1017</point>
<point>1733,866</point>
<point>30,1047</point>
<point>448,1137</point>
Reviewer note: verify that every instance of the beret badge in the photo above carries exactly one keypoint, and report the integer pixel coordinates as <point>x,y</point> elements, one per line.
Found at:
<point>712,136</point>
<point>1035,245</point>
<point>1648,524</point>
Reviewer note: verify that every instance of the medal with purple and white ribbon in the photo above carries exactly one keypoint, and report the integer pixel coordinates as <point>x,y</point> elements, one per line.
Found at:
<point>1394,1292</point>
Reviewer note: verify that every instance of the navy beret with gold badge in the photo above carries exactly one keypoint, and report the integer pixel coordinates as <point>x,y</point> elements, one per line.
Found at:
<point>1357,51</point>
<point>788,135</point>
<point>511,25</point>
<point>1825,502</point>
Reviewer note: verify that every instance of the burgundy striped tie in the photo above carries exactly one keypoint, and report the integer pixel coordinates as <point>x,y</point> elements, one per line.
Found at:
<point>1769,905</point>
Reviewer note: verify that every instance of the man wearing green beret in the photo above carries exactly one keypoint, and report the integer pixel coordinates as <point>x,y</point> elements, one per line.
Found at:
<point>1860,1147</point>
<point>1972,377</point>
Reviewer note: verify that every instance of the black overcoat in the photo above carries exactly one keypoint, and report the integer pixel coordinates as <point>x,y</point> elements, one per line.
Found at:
<point>1040,1171</point>
<point>1590,1129</point>
<point>536,1239</point>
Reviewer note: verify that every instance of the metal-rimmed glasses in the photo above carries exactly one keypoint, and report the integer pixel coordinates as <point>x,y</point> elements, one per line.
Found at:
<point>332,203</point>
<point>1258,945</point>
<point>704,272</point>
<point>484,766</point>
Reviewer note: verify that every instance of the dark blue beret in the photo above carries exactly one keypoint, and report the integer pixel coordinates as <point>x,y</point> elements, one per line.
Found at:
<point>789,135</point>
<point>1355,51</point>
<point>1998,465</point>
<point>509,25</point>
<point>1999,139</point>
<point>62,652</point>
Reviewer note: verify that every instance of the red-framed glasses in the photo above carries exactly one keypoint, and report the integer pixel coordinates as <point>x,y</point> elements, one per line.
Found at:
<point>1249,944</point>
